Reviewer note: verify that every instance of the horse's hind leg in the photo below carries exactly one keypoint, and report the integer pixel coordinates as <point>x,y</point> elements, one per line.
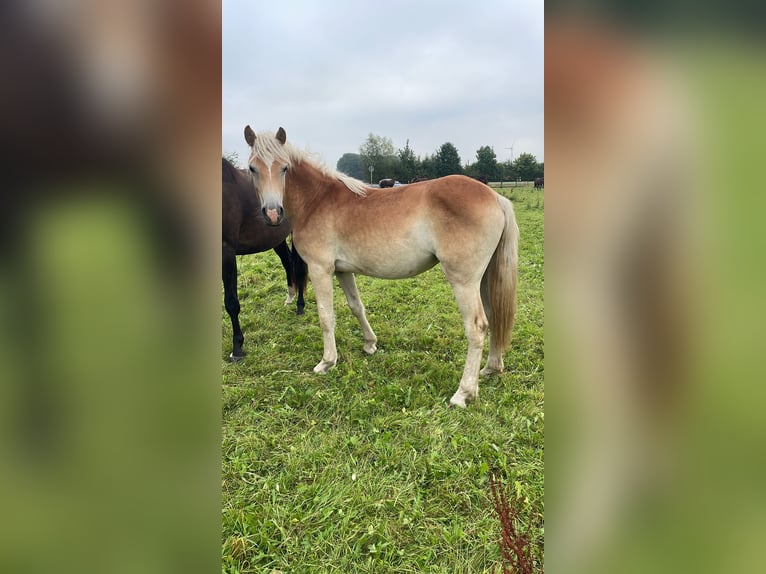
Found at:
<point>348,284</point>
<point>284,255</point>
<point>475,323</point>
<point>231,301</point>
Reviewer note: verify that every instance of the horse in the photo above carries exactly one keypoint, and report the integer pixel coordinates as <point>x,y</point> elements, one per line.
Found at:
<point>482,178</point>
<point>386,183</point>
<point>418,179</point>
<point>245,232</point>
<point>539,182</point>
<point>342,227</point>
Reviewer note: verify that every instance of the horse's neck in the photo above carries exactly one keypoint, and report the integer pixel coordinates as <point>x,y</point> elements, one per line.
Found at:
<point>305,186</point>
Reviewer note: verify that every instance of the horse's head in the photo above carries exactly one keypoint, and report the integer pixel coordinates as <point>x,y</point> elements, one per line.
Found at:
<point>268,167</point>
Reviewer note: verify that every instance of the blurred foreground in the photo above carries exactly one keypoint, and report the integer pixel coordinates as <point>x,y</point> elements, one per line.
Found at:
<point>654,274</point>
<point>110,341</point>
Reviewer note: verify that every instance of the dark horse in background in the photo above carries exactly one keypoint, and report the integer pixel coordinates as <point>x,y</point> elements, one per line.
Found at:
<point>386,183</point>
<point>245,231</point>
<point>539,182</point>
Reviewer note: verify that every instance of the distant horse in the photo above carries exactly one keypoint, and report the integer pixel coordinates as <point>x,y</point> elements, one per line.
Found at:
<point>482,178</point>
<point>342,227</point>
<point>418,179</point>
<point>386,183</point>
<point>539,182</point>
<point>245,232</point>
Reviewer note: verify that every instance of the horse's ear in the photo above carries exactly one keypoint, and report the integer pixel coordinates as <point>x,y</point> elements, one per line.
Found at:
<point>249,136</point>
<point>282,135</point>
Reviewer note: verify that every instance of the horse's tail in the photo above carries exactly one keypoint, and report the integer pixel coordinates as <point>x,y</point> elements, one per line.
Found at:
<point>500,282</point>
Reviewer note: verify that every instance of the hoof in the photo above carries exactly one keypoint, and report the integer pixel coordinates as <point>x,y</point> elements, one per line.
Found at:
<point>457,400</point>
<point>460,399</point>
<point>492,367</point>
<point>323,367</point>
<point>489,371</point>
<point>370,348</point>
<point>234,358</point>
<point>299,311</point>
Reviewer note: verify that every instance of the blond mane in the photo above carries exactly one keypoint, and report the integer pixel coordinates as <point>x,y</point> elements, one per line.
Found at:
<point>267,147</point>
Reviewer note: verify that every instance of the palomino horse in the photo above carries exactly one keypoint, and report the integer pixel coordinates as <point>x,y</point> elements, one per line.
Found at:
<point>245,232</point>
<point>342,227</point>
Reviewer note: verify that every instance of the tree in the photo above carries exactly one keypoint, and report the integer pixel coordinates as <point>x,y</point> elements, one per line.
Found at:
<point>351,164</point>
<point>486,163</point>
<point>378,152</point>
<point>447,160</point>
<point>233,157</point>
<point>427,167</point>
<point>525,167</point>
<point>408,164</point>
<point>507,171</point>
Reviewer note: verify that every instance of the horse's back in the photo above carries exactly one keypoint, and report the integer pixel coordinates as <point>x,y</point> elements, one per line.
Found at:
<point>462,206</point>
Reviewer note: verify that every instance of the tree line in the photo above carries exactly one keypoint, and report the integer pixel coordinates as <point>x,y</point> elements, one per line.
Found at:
<point>379,153</point>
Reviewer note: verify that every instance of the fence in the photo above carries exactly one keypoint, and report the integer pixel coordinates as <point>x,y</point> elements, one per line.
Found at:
<point>512,184</point>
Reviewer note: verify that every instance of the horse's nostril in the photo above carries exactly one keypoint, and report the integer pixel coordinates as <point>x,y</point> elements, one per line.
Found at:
<point>273,214</point>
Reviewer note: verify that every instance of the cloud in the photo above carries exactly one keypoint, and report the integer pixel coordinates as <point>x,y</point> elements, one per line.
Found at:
<point>333,73</point>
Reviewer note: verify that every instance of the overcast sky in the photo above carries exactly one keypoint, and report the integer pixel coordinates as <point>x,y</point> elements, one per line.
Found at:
<point>333,71</point>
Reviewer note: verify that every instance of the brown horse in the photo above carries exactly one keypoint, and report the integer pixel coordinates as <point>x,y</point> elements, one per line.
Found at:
<point>386,183</point>
<point>245,232</point>
<point>342,227</point>
<point>539,182</point>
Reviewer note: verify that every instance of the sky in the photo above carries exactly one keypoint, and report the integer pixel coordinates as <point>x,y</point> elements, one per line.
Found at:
<point>333,71</point>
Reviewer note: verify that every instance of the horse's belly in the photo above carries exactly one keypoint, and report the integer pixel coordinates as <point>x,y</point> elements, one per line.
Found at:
<point>383,267</point>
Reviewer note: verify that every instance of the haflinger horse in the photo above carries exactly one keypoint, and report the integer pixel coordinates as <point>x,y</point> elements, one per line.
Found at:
<point>342,227</point>
<point>245,232</point>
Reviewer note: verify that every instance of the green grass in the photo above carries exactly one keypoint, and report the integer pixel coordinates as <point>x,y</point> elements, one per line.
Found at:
<point>366,469</point>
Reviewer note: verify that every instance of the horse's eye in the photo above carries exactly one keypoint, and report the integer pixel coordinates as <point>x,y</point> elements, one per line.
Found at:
<point>252,169</point>
<point>284,169</point>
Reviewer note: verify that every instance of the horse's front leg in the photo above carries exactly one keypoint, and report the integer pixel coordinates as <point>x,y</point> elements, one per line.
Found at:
<point>231,301</point>
<point>321,279</point>
<point>348,284</point>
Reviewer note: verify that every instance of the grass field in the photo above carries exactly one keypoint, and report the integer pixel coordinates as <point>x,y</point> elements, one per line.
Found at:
<point>366,469</point>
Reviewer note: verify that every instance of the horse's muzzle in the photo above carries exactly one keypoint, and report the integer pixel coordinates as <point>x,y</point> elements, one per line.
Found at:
<point>274,214</point>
